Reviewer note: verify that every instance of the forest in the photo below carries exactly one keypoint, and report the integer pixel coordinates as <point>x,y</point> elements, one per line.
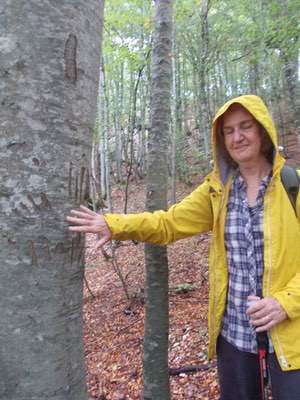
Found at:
<point>109,104</point>
<point>219,50</point>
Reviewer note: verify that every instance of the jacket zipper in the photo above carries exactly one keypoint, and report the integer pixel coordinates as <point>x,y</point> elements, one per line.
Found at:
<point>282,356</point>
<point>215,275</point>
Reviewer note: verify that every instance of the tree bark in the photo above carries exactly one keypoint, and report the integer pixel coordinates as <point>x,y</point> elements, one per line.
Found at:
<point>204,107</point>
<point>174,123</point>
<point>156,376</point>
<point>48,75</point>
<point>118,113</point>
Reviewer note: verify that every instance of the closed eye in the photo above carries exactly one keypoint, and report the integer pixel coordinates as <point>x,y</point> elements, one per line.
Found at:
<point>228,131</point>
<point>247,125</point>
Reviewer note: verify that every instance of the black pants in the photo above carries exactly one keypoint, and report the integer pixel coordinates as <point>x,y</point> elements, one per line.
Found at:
<point>239,375</point>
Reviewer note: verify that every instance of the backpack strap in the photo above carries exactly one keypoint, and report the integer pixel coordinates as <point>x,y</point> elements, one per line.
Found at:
<point>291,182</point>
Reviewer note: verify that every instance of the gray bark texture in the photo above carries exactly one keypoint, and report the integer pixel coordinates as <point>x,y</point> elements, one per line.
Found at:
<point>156,376</point>
<point>204,106</point>
<point>49,62</point>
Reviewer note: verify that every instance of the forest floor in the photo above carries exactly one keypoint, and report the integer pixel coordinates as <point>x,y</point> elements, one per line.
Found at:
<point>113,326</point>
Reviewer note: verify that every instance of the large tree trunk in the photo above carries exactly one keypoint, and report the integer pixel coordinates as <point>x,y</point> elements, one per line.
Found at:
<point>49,69</point>
<point>156,376</point>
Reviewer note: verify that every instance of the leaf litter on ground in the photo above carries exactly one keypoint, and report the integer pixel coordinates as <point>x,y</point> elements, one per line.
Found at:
<point>113,327</point>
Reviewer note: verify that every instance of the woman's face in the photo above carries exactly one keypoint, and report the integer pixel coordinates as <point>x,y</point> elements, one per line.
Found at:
<point>242,136</point>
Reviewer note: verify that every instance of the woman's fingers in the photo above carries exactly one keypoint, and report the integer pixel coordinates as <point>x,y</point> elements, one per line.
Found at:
<point>83,229</point>
<point>259,314</point>
<point>87,210</point>
<point>102,241</point>
<point>87,221</point>
<point>266,313</point>
<point>266,327</point>
<point>79,221</point>
<point>262,320</point>
<point>82,214</point>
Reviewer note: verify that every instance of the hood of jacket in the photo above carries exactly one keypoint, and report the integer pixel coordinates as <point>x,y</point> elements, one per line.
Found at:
<point>257,108</point>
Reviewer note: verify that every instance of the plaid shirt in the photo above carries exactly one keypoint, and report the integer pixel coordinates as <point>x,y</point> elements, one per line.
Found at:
<point>244,242</point>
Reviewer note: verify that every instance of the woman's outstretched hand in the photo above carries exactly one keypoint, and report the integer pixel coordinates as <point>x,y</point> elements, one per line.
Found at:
<point>87,221</point>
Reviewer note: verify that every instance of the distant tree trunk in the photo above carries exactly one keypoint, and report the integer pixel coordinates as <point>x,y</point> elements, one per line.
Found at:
<point>156,375</point>
<point>106,128</point>
<point>179,110</point>
<point>183,123</point>
<point>48,106</point>
<point>127,132</point>
<point>204,108</point>
<point>289,55</point>
<point>118,127</point>
<point>132,129</point>
<point>291,88</point>
<point>102,132</point>
<point>142,132</point>
<point>94,186</point>
<point>254,83</point>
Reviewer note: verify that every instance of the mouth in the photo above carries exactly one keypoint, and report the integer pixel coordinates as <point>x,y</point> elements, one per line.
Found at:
<point>241,148</point>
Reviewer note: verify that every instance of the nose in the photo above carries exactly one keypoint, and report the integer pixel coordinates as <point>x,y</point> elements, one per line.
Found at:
<point>237,135</point>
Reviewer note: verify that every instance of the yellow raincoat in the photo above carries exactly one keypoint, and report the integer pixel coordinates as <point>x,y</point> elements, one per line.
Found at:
<point>205,210</point>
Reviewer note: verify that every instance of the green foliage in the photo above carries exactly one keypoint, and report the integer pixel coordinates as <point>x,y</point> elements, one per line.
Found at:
<point>248,46</point>
<point>127,33</point>
<point>185,287</point>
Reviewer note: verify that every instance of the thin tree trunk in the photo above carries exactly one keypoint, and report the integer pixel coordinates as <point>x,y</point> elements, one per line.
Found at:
<point>174,123</point>
<point>101,133</point>
<point>49,75</point>
<point>132,129</point>
<point>106,127</point>
<point>118,139</point>
<point>142,132</point>
<point>93,177</point>
<point>204,107</point>
<point>156,376</point>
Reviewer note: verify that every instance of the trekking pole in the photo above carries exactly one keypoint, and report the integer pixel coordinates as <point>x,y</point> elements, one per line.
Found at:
<point>262,347</point>
<point>263,374</point>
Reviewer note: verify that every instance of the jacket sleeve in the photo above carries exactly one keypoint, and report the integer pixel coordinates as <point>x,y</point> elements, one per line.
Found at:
<point>289,297</point>
<point>191,216</point>
<point>298,201</point>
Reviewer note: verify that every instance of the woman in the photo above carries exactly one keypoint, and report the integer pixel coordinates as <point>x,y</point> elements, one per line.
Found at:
<point>254,256</point>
